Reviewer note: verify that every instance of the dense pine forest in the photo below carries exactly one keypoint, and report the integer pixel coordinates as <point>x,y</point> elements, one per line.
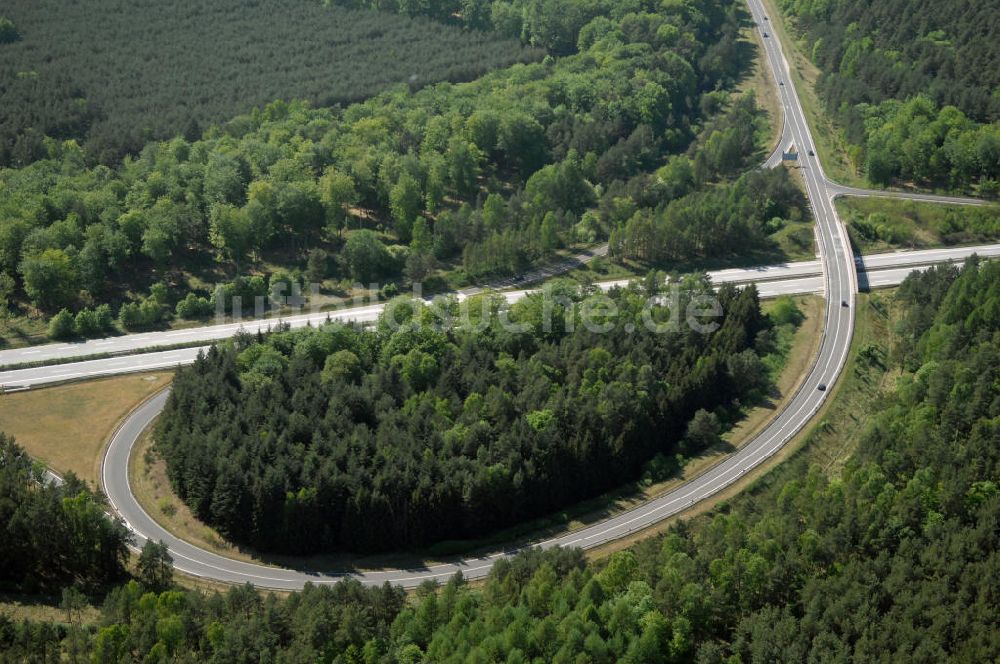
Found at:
<point>914,84</point>
<point>78,543</point>
<point>893,558</point>
<point>115,75</point>
<point>337,439</point>
<point>471,181</point>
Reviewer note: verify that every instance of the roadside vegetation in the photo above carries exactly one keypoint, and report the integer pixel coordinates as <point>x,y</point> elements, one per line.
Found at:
<point>910,106</point>
<point>875,540</point>
<point>882,224</point>
<point>788,346</point>
<point>148,481</point>
<point>880,526</point>
<point>445,185</point>
<point>761,83</point>
<point>831,148</point>
<point>54,536</point>
<point>451,434</point>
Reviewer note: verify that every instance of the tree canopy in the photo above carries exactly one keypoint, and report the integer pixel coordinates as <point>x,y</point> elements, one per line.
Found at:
<point>333,438</point>
<point>495,174</point>
<point>913,84</point>
<point>150,71</point>
<point>893,556</point>
<point>54,535</point>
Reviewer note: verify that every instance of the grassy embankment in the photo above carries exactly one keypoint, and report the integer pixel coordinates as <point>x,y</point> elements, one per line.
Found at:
<point>828,442</point>
<point>66,427</point>
<point>830,438</point>
<point>884,224</point>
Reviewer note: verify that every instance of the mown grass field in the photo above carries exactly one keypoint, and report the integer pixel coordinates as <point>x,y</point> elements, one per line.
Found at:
<point>66,426</point>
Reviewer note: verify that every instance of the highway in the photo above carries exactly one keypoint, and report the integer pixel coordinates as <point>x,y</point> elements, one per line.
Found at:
<point>775,159</point>
<point>542,273</point>
<point>795,132</point>
<point>839,285</point>
<point>843,190</point>
<point>801,277</point>
<point>122,347</point>
<point>836,279</point>
<point>131,343</point>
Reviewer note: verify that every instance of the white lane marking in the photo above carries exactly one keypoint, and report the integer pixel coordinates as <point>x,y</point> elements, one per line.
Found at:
<point>725,471</point>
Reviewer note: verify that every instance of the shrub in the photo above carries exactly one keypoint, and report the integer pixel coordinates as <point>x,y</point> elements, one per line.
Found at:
<point>61,326</point>
<point>786,312</point>
<point>284,288</point>
<point>8,31</point>
<point>193,306</point>
<point>138,316</point>
<point>247,289</point>
<point>129,316</point>
<point>86,323</point>
<point>317,265</point>
<point>167,507</point>
<point>105,320</point>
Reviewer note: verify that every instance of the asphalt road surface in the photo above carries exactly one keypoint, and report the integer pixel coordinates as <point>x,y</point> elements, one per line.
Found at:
<point>788,273</point>
<point>838,282</point>
<point>855,192</point>
<point>839,285</point>
<point>131,343</point>
<point>875,271</point>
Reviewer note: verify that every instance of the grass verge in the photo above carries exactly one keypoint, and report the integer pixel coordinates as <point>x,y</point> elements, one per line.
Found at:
<point>43,608</point>
<point>21,331</point>
<point>830,146</point>
<point>794,242</point>
<point>66,427</point>
<point>881,224</point>
<point>148,479</point>
<point>761,84</point>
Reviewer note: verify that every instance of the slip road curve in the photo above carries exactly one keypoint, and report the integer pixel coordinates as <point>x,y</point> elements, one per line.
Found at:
<point>840,286</point>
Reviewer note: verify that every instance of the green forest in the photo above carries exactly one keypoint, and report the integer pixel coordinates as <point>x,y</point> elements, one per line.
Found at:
<point>894,557</point>
<point>914,86</point>
<point>161,162</point>
<point>469,181</point>
<point>425,431</point>
<point>116,75</point>
<point>78,545</point>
